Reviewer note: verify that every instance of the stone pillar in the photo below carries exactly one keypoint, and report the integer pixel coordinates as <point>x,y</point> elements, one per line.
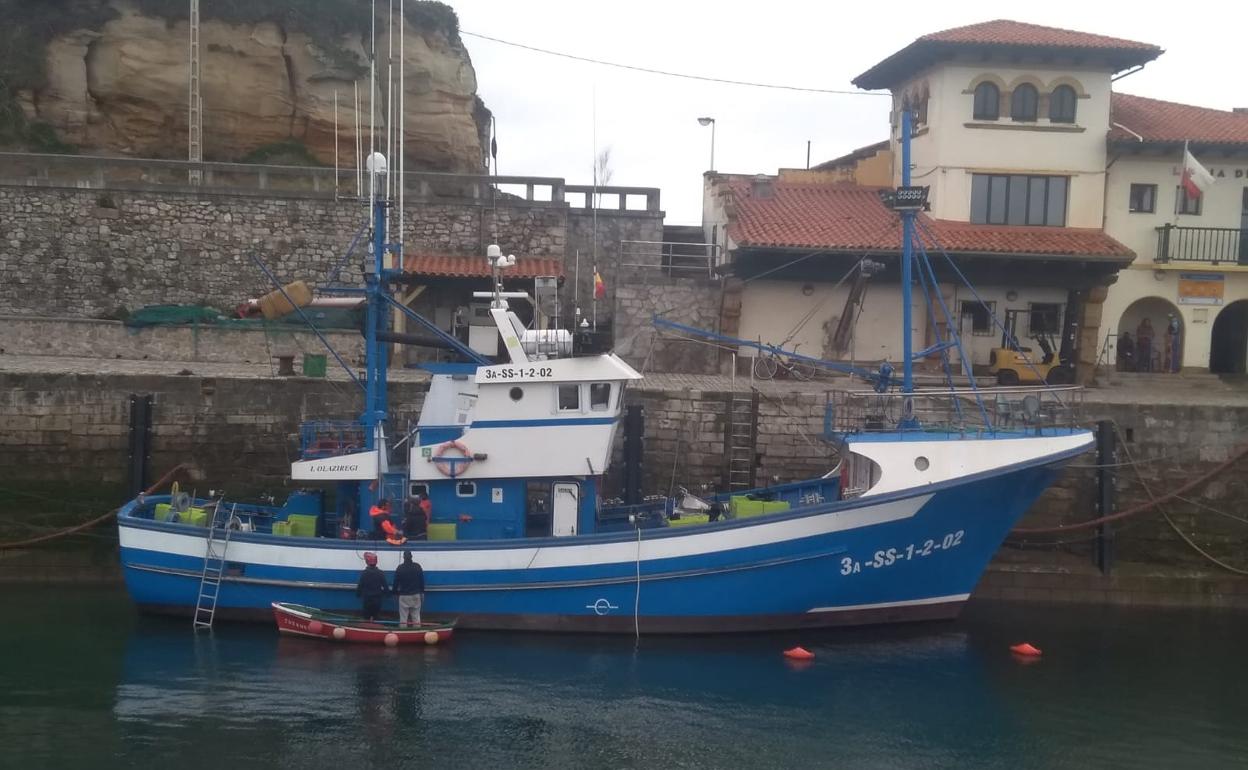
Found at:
<point>1090,334</point>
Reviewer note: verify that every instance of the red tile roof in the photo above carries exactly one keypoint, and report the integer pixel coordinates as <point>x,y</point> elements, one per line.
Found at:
<point>1003,35</point>
<point>1158,121</point>
<point>1006,32</point>
<point>849,217</point>
<point>452,266</point>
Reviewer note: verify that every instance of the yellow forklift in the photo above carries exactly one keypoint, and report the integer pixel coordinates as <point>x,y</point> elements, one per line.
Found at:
<point>1013,364</point>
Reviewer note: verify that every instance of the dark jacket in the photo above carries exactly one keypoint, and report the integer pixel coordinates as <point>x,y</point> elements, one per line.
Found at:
<point>372,584</point>
<point>409,579</point>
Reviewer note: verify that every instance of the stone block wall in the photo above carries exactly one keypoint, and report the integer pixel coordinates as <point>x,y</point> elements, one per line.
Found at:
<point>609,229</point>
<point>695,302</point>
<point>88,338</point>
<point>238,431</point>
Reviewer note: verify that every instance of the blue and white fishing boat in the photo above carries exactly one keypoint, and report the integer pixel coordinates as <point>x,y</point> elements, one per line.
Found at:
<point>511,455</point>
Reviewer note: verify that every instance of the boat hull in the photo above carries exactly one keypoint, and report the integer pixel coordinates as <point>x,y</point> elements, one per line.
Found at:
<point>906,556</point>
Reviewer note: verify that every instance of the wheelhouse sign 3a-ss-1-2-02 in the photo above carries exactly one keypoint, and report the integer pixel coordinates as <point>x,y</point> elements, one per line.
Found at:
<point>518,373</point>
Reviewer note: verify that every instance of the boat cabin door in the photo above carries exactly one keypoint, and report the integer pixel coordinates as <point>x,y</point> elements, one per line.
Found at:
<point>567,503</point>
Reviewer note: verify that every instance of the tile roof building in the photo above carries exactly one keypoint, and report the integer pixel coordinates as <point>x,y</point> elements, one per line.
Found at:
<point>1047,187</point>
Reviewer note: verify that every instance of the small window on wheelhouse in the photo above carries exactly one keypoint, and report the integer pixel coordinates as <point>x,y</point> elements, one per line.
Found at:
<point>466,489</point>
<point>599,396</point>
<point>569,398</point>
<point>418,489</point>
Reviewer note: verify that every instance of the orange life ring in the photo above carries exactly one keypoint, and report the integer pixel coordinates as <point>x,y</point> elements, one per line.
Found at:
<point>452,466</point>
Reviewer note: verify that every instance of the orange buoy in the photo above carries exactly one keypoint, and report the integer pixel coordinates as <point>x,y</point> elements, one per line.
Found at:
<point>799,653</point>
<point>1025,649</point>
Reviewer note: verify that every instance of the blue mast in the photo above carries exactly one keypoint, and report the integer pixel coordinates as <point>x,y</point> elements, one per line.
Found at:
<point>907,257</point>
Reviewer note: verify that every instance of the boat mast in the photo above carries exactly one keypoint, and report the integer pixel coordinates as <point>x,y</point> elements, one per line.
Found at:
<point>907,257</point>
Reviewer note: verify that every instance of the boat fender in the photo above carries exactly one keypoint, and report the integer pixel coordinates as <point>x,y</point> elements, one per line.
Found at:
<point>391,639</point>
<point>448,467</point>
<point>340,633</point>
<point>315,627</point>
<point>1025,649</point>
<point>799,653</point>
<point>431,637</point>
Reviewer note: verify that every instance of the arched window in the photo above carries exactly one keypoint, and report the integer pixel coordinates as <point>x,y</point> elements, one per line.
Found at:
<point>1024,102</point>
<point>987,101</point>
<point>1062,105</point>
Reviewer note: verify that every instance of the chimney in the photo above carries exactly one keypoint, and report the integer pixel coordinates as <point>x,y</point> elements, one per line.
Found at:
<point>761,188</point>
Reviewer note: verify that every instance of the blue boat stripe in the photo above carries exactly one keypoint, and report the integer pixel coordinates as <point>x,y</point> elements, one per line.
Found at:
<point>625,580</point>
<point>542,422</point>
<point>126,519</point>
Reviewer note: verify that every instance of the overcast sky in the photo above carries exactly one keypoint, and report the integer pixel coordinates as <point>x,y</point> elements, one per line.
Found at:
<point>545,106</point>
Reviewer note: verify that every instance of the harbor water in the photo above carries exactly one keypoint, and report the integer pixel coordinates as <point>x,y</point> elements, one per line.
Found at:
<point>87,683</point>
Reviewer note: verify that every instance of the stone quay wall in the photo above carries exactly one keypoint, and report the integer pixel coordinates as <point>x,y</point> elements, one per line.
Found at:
<point>243,430</point>
<point>690,301</point>
<point>89,338</point>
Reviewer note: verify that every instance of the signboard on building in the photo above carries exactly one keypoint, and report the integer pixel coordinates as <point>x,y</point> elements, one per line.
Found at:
<point>1201,288</point>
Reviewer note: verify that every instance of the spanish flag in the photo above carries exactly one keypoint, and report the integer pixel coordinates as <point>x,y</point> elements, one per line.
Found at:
<point>600,286</point>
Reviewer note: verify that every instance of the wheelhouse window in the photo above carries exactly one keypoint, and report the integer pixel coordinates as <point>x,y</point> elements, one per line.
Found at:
<point>987,102</point>
<point>599,396</point>
<point>1143,199</point>
<point>466,489</point>
<point>1024,103</point>
<point>1016,199</point>
<point>1186,204</point>
<point>980,317</point>
<point>569,398</point>
<point>1062,105</point>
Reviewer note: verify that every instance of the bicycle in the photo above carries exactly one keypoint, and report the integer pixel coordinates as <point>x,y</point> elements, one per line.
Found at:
<point>767,366</point>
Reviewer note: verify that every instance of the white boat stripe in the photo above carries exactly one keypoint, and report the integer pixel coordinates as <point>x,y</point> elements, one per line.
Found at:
<point>884,605</point>
<point>590,554</point>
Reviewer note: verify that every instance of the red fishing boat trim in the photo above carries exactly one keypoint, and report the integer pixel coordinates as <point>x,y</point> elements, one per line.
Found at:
<point>297,620</point>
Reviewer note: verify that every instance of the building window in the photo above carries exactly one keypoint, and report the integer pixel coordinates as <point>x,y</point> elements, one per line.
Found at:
<point>1143,199</point>
<point>987,102</point>
<point>1014,199</point>
<point>981,317</point>
<point>599,396</point>
<point>569,398</point>
<point>1062,105</point>
<point>1024,103</point>
<point>466,489</point>
<point>1184,203</point>
<point>1045,318</point>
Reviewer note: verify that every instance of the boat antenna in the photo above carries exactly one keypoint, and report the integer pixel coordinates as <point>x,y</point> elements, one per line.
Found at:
<point>359,157</point>
<point>335,144</point>
<point>907,256</point>
<point>372,111</point>
<point>402,180</point>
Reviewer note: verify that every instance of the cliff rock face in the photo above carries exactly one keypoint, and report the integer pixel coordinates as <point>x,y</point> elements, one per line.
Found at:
<point>123,88</point>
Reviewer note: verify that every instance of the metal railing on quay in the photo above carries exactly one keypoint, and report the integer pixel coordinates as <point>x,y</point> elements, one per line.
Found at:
<point>674,258</point>
<point>989,411</point>
<point>1214,245</point>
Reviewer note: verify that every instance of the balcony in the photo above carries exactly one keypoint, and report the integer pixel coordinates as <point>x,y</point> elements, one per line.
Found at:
<point>1207,245</point>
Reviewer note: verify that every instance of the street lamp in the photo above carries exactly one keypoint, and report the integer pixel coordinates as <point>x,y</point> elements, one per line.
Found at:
<point>710,122</point>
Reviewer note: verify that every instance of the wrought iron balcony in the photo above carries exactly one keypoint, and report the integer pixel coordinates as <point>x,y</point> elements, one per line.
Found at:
<point>1212,245</point>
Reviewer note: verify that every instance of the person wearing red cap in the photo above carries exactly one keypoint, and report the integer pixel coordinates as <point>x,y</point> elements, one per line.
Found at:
<point>372,587</point>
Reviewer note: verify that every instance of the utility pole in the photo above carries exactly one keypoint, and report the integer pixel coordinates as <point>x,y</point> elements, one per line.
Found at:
<point>195,127</point>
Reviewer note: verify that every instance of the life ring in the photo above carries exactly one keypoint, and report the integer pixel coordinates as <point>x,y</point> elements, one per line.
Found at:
<point>451,466</point>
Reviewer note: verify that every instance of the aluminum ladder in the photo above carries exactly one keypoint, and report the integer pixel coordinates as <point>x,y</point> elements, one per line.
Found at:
<point>740,437</point>
<point>214,567</point>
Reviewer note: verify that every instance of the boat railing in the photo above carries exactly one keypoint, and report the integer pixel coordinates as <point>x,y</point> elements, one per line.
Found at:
<point>330,438</point>
<point>990,411</point>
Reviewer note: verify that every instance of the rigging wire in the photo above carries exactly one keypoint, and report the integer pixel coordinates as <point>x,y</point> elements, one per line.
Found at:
<point>667,73</point>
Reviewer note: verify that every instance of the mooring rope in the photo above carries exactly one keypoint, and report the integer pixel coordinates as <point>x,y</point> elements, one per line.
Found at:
<point>1154,502</point>
<point>93,522</point>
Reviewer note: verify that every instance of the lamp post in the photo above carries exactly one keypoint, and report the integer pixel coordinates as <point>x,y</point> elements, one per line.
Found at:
<point>710,122</point>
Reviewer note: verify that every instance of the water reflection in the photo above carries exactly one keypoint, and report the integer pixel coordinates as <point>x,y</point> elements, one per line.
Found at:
<point>1146,689</point>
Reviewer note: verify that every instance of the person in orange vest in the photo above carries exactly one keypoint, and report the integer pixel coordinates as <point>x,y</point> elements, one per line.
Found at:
<point>382,525</point>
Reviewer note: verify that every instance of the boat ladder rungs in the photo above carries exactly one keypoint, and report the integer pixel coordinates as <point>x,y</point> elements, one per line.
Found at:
<point>214,567</point>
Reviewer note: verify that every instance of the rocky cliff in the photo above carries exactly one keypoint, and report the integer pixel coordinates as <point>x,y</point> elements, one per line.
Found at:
<point>116,80</point>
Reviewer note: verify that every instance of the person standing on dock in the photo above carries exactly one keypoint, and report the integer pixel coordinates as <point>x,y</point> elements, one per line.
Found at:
<point>409,584</point>
<point>372,587</point>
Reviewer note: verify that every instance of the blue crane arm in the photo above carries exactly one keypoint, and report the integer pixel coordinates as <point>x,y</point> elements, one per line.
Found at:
<point>868,375</point>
